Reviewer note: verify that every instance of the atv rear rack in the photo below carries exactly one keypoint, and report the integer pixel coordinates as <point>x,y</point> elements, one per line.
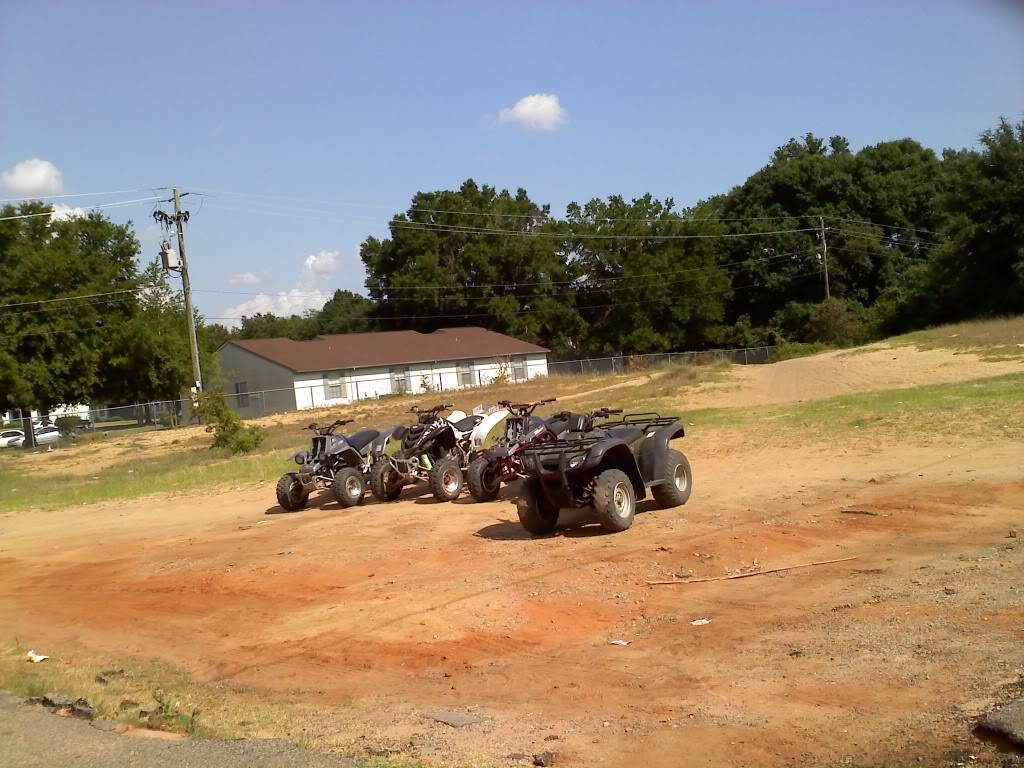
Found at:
<point>648,420</point>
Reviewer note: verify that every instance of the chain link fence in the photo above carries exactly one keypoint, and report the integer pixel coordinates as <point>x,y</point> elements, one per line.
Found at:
<point>255,404</point>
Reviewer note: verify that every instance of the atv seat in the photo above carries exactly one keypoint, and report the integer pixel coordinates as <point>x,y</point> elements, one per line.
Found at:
<point>466,424</point>
<point>363,438</point>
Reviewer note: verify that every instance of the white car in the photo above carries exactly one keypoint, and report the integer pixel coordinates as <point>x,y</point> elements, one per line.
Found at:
<point>44,436</point>
<point>7,437</point>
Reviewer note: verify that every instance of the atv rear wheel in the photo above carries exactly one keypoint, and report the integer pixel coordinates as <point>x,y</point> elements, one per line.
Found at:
<point>484,483</point>
<point>290,493</point>
<point>445,480</point>
<point>537,515</point>
<point>675,491</point>
<point>385,482</point>
<point>349,486</point>
<point>614,500</point>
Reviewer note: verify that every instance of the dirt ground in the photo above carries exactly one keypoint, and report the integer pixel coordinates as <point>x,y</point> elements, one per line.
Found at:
<point>376,618</point>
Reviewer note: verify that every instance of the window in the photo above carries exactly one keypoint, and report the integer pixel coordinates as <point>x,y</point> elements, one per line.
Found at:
<point>332,385</point>
<point>11,433</point>
<point>465,373</point>
<point>241,394</point>
<point>399,380</point>
<point>519,368</point>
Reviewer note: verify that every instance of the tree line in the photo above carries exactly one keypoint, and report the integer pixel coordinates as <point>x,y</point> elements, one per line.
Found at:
<point>914,238</point>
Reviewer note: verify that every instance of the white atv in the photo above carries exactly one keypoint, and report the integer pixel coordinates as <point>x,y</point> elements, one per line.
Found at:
<point>436,450</point>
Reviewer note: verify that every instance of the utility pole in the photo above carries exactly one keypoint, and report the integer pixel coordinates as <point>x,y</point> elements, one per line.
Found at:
<point>186,286</point>
<point>824,255</point>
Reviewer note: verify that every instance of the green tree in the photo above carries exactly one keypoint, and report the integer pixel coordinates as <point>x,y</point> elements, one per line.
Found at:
<point>151,358</point>
<point>58,352</point>
<point>648,278</point>
<point>451,260</point>
<point>979,270</point>
<point>344,312</point>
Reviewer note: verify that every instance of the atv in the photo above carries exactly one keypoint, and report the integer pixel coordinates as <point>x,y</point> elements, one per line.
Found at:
<point>433,450</point>
<point>335,461</point>
<point>607,467</point>
<point>501,463</point>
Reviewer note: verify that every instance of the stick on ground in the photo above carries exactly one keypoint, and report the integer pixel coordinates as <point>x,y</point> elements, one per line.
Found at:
<point>754,573</point>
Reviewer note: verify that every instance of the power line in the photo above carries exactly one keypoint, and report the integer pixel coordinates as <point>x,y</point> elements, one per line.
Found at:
<point>100,206</point>
<point>794,278</point>
<point>77,194</point>
<point>887,226</point>
<point>416,209</point>
<point>72,298</point>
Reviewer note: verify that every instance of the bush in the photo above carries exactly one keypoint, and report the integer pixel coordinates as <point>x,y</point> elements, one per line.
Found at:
<point>228,430</point>
<point>837,322</point>
<point>68,425</point>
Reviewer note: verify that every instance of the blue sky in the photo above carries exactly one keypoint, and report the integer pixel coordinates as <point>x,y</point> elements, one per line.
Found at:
<point>363,104</point>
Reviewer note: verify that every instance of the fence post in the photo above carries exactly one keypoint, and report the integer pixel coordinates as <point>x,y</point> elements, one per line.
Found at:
<point>744,357</point>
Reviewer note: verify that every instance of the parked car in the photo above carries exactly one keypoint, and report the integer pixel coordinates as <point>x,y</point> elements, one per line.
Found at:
<point>44,436</point>
<point>7,437</point>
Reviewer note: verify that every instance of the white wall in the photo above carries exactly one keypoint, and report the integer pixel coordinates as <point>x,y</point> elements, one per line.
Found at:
<point>310,389</point>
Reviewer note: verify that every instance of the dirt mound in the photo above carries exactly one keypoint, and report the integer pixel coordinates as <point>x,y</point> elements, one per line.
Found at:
<point>867,369</point>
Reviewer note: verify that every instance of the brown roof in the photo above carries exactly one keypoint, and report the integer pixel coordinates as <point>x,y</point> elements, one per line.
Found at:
<point>365,350</point>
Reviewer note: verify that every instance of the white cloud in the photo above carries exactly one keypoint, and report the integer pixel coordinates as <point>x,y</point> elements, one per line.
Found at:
<point>306,294</point>
<point>244,278</point>
<point>537,112</point>
<point>33,177</point>
<point>61,211</point>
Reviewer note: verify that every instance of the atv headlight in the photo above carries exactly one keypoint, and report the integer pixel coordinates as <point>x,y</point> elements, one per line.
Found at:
<point>575,461</point>
<point>301,457</point>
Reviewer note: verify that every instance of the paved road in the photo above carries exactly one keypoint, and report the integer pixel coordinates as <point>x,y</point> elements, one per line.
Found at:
<point>32,737</point>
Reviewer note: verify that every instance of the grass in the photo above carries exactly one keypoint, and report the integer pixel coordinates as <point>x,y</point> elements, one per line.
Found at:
<point>792,349</point>
<point>207,710</point>
<point>995,339</point>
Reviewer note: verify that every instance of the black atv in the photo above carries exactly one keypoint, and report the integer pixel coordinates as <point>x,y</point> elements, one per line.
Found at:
<point>607,467</point>
<point>502,463</point>
<point>430,451</point>
<point>335,461</point>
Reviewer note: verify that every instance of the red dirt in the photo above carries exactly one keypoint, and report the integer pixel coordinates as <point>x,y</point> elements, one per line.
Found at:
<point>389,612</point>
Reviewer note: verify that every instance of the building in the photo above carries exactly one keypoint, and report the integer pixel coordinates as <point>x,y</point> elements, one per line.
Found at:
<point>274,375</point>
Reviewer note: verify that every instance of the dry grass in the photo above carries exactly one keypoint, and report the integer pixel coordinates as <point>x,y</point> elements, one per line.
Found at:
<point>1000,338</point>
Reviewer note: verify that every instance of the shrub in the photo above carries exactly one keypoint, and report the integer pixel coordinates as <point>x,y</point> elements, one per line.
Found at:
<point>227,428</point>
<point>68,425</point>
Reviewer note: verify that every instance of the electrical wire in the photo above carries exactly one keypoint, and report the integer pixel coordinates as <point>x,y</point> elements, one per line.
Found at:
<point>100,206</point>
<point>416,209</point>
<point>794,278</point>
<point>72,298</point>
<point>77,194</point>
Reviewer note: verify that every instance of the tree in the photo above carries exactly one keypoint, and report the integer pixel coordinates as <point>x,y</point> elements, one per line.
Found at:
<point>979,270</point>
<point>474,256</point>
<point>344,312</point>
<point>648,279</point>
<point>151,358</point>
<point>57,352</point>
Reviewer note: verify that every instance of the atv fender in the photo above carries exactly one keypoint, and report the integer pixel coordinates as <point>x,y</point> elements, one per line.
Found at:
<point>653,449</point>
<point>614,454</point>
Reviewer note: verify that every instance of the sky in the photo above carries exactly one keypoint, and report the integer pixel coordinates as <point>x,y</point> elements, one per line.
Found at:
<point>306,125</point>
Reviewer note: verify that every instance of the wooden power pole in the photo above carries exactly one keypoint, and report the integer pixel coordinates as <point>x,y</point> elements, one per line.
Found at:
<point>186,286</point>
<point>824,255</point>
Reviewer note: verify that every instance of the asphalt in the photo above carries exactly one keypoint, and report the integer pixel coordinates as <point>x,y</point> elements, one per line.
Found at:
<point>31,736</point>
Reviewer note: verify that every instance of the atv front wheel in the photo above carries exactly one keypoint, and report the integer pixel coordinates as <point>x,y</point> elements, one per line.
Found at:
<point>385,482</point>
<point>445,480</point>
<point>349,486</point>
<point>614,500</point>
<point>536,514</point>
<point>484,483</point>
<point>290,493</point>
<point>675,491</point>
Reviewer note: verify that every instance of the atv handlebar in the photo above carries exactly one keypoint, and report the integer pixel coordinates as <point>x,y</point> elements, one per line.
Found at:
<point>525,409</point>
<point>328,429</point>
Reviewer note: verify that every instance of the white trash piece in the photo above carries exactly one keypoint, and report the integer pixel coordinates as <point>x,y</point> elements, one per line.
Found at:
<point>618,642</point>
<point>699,622</point>
<point>34,657</point>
